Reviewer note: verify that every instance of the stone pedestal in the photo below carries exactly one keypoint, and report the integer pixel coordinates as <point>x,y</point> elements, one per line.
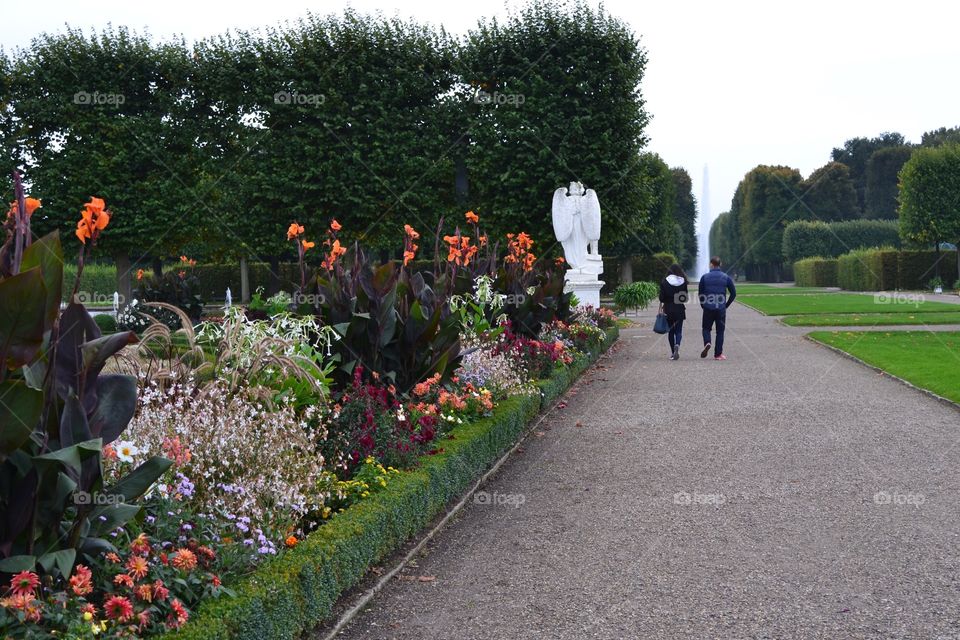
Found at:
<point>585,283</point>
<point>587,292</point>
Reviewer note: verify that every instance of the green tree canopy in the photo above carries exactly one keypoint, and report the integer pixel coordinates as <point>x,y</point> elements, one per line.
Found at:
<point>685,214</point>
<point>943,135</point>
<point>108,115</point>
<point>856,152</point>
<point>883,170</point>
<point>829,194</point>
<point>554,96</point>
<point>766,200</point>
<point>930,196</point>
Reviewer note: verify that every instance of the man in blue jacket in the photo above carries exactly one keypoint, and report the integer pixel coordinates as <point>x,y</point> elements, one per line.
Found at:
<point>714,302</point>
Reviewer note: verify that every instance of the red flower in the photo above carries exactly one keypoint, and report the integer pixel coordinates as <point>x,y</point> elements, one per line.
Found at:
<point>144,592</point>
<point>138,567</point>
<point>24,583</point>
<point>141,544</point>
<point>215,580</point>
<point>160,592</point>
<point>143,619</point>
<point>80,580</point>
<point>118,608</point>
<point>123,579</point>
<point>179,616</point>
<point>185,560</point>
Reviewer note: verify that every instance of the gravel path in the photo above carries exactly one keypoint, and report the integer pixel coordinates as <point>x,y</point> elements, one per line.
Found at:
<point>785,493</point>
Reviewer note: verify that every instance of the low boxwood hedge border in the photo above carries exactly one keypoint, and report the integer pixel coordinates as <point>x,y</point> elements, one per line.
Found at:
<point>297,591</point>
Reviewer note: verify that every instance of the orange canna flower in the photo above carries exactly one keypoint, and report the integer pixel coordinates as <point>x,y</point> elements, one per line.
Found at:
<point>411,232</point>
<point>294,230</point>
<point>482,240</point>
<point>307,245</point>
<point>472,217</point>
<point>93,219</point>
<point>409,255</point>
<point>335,225</point>
<point>32,205</point>
<point>528,262</point>
<point>139,274</point>
<point>559,261</point>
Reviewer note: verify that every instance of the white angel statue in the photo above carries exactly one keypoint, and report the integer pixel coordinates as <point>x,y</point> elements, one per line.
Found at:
<point>576,222</point>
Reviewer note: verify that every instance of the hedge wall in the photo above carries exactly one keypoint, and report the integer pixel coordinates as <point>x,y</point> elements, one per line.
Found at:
<point>651,268</point>
<point>806,239</point>
<point>854,272</point>
<point>296,592</point>
<point>815,272</point>
<point>917,268</point>
<point>888,269</point>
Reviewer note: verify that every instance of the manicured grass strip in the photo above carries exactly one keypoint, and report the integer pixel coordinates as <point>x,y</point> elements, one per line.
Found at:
<point>871,319</point>
<point>297,591</point>
<point>769,290</point>
<point>786,305</point>
<point>926,359</point>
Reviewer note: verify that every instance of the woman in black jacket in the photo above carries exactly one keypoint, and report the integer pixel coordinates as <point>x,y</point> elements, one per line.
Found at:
<point>673,297</point>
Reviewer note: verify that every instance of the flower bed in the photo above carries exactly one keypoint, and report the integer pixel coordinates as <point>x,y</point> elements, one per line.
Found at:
<point>209,458</point>
<point>297,592</point>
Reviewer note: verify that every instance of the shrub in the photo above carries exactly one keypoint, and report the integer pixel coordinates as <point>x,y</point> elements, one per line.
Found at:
<point>98,282</point>
<point>915,268</point>
<point>855,273</point>
<point>636,295</point>
<point>106,322</point>
<point>815,272</point>
<point>807,239</point>
<point>179,288</point>
<point>652,268</point>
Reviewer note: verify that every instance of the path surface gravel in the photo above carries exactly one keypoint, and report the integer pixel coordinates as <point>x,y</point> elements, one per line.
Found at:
<point>785,493</point>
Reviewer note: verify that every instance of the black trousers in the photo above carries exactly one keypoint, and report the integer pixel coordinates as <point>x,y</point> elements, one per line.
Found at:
<point>711,317</point>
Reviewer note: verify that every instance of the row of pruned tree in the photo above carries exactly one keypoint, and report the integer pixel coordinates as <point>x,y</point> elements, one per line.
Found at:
<point>212,148</point>
<point>867,178</point>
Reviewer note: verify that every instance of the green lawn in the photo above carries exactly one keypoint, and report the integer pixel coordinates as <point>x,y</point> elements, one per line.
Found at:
<point>927,359</point>
<point>750,288</point>
<point>784,305</point>
<point>871,319</point>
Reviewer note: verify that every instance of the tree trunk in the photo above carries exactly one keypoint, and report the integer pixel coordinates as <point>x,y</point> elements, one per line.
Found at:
<point>626,270</point>
<point>936,264</point>
<point>244,281</point>
<point>124,285</point>
<point>273,283</point>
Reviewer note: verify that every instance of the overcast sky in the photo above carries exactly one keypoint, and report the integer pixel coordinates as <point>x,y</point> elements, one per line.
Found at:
<point>730,84</point>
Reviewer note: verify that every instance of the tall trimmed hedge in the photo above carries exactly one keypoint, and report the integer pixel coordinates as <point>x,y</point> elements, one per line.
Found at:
<point>815,272</point>
<point>917,268</point>
<point>806,239</point>
<point>889,269</point>
<point>652,268</point>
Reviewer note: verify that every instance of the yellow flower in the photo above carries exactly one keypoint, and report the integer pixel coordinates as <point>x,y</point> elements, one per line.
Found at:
<point>87,616</point>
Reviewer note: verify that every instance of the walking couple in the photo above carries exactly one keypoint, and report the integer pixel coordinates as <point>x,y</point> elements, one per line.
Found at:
<point>714,301</point>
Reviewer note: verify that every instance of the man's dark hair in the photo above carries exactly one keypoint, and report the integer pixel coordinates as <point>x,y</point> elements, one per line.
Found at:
<point>715,261</point>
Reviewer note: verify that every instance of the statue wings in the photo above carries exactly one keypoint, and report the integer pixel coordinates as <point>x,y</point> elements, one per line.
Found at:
<point>562,214</point>
<point>591,215</point>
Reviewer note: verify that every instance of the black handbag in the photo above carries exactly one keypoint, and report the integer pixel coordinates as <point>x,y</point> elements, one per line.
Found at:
<point>660,325</point>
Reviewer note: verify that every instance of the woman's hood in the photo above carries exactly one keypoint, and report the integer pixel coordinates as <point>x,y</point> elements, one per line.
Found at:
<point>676,281</point>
